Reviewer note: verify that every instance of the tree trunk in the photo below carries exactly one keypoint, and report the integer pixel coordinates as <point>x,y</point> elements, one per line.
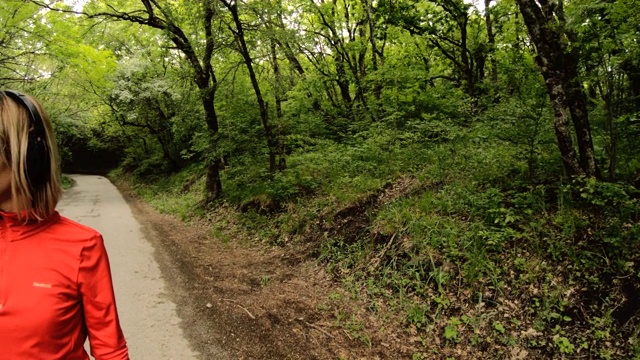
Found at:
<point>631,67</point>
<point>343,59</point>
<point>561,125</point>
<point>262,105</point>
<point>559,69</point>
<point>343,84</point>
<point>577,101</point>
<point>204,75</point>
<point>286,47</point>
<point>612,149</point>
<point>282,163</point>
<point>609,92</point>
<point>467,63</point>
<point>367,7</point>
<point>213,183</point>
<point>491,37</point>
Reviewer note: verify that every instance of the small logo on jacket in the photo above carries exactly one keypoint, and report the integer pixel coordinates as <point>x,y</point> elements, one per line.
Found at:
<point>41,285</point>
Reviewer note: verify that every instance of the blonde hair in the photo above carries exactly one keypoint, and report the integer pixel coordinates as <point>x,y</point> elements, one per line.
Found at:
<point>28,201</point>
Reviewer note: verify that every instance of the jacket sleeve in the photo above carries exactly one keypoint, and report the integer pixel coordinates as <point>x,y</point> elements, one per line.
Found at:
<point>98,302</point>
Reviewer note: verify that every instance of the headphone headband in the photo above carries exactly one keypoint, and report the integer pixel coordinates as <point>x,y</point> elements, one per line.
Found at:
<point>34,114</point>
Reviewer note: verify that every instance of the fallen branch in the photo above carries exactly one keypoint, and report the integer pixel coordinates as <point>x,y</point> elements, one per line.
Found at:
<point>241,307</point>
<point>376,260</point>
<point>316,327</point>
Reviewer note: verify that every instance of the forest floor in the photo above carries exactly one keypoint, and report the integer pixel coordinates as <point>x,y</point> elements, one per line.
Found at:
<point>259,302</point>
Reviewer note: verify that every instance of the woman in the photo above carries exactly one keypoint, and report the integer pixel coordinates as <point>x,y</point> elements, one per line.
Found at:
<point>55,281</point>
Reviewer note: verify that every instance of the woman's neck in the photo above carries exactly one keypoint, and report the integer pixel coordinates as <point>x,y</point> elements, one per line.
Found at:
<point>6,205</point>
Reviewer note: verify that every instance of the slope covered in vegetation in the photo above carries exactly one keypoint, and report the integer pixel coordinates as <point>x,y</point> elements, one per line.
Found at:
<point>467,252</point>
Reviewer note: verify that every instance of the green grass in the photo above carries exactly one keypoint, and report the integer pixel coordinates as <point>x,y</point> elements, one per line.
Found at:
<point>67,182</point>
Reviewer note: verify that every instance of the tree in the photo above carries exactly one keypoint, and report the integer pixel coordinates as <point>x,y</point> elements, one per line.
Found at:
<point>145,98</point>
<point>445,26</point>
<point>22,41</point>
<point>558,63</point>
<point>198,54</point>
<point>241,44</point>
<point>491,38</point>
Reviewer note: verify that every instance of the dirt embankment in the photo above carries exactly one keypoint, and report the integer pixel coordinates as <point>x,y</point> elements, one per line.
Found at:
<point>255,302</point>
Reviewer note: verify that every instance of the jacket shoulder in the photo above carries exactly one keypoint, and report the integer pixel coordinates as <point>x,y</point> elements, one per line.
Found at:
<point>66,229</point>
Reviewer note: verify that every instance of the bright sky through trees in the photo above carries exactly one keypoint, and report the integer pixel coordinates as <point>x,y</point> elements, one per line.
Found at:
<point>479,4</point>
<point>77,4</point>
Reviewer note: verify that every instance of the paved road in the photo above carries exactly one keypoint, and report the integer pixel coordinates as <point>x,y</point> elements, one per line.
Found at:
<point>148,317</point>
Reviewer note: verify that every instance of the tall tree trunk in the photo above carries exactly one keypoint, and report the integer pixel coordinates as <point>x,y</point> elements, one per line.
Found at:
<point>343,59</point>
<point>559,69</point>
<point>631,67</point>
<point>343,83</point>
<point>282,163</point>
<point>612,149</point>
<point>232,6</point>
<point>213,184</point>
<point>367,7</point>
<point>204,75</point>
<point>285,45</point>
<point>609,92</point>
<point>577,101</point>
<point>208,84</point>
<point>286,48</point>
<point>562,117</point>
<point>491,37</point>
<point>467,63</point>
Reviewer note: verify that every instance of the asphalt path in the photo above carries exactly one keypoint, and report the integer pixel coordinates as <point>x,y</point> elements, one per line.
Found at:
<point>147,316</point>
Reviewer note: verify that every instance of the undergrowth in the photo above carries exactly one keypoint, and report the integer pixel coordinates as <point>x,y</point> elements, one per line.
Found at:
<point>67,182</point>
<point>459,244</point>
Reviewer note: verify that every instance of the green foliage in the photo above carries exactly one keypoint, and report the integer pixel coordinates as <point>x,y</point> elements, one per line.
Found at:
<point>564,346</point>
<point>67,182</point>
<point>418,316</point>
<point>21,29</point>
<point>149,108</point>
<point>178,194</point>
<point>451,329</point>
<point>416,177</point>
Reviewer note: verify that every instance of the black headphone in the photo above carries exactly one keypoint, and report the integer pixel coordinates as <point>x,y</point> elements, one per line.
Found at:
<point>38,161</point>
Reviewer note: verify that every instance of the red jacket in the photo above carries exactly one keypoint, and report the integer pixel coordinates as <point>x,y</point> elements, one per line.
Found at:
<point>55,290</point>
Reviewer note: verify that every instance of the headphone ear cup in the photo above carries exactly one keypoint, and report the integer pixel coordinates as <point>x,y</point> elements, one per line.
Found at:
<point>37,162</point>
<point>37,159</point>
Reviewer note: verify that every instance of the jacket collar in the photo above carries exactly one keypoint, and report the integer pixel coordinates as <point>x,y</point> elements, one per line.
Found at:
<point>13,229</point>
